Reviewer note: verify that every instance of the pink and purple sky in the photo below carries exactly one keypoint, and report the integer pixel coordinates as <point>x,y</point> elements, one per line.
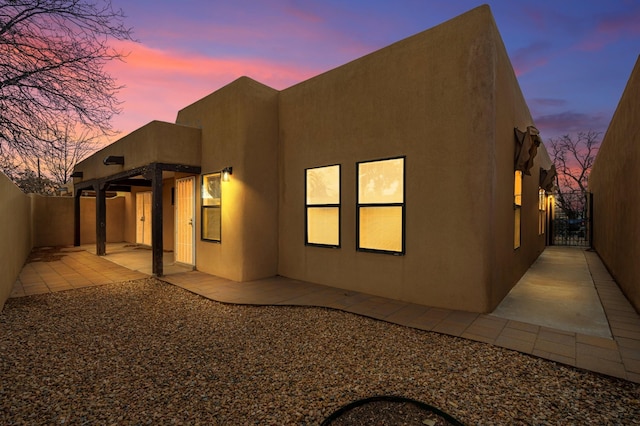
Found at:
<point>572,57</point>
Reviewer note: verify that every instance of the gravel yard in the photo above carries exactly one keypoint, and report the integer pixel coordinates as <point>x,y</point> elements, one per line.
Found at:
<point>145,352</point>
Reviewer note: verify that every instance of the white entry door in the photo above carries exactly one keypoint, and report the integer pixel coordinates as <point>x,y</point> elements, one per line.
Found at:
<point>184,220</point>
<point>143,218</point>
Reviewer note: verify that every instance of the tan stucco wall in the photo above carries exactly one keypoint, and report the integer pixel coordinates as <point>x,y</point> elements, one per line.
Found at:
<point>240,129</point>
<point>156,142</point>
<point>614,182</point>
<point>434,98</point>
<point>115,220</point>
<point>52,220</point>
<point>15,234</point>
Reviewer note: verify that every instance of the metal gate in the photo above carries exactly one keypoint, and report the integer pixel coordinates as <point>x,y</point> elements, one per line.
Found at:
<point>184,220</point>
<point>571,219</point>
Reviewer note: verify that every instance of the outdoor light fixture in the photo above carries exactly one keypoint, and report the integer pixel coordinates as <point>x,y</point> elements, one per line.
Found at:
<point>113,159</point>
<point>226,172</point>
<point>77,175</point>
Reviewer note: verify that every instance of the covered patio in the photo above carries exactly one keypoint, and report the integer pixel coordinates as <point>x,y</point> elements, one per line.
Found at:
<point>144,158</point>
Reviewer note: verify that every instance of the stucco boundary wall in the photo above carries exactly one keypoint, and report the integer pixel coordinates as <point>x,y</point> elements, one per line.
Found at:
<point>52,220</point>
<point>15,234</point>
<point>33,220</point>
<point>614,183</point>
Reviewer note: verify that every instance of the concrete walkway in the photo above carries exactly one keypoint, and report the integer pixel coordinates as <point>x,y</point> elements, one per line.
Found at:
<point>558,292</point>
<point>616,353</point>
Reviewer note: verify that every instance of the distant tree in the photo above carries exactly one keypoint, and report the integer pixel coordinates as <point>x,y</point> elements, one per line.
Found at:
<point>52,77</point>
<point>32,183</point>
<point>573,157</point>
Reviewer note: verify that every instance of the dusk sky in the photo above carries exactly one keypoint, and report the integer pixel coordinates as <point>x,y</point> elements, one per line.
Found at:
<point>572,57</point>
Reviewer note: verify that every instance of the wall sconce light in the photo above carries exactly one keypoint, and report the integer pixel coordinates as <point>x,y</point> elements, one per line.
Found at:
<point>226,172</point>
<point>113,159</point>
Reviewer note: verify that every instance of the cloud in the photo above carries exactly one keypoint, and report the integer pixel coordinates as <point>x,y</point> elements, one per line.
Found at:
<point>530,57</point>
<point>292,31</point>
<point>547,102</point>
<point>296,10</point>
<point>611,28</point>
<point>158,83</point>
<point>570,122</point>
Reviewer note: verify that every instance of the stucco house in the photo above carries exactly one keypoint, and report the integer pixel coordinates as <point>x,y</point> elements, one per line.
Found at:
<point>413,173</point>
<point>614,183</point>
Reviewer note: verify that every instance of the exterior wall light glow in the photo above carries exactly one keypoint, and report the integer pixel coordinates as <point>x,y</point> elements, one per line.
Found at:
<point>113,159</point>
<point>226,172</point>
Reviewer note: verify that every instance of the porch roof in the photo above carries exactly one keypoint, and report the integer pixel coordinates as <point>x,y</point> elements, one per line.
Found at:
<point>156,142</point>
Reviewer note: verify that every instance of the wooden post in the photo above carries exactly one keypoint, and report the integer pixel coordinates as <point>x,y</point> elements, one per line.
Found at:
<point>156,221</point>
<point>76,217</point>
<point>101,219</point>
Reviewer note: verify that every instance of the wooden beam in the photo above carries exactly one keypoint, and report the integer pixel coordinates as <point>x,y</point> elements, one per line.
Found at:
<point>181,168</point>
<point>156,221</point>
<point>101,220</point>
<point>119,188</point>
<point>132,182</point>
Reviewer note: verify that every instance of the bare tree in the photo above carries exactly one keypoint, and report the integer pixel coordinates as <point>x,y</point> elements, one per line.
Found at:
<point>573,158</point>
<point>52,77</point>
<point>68,148</point>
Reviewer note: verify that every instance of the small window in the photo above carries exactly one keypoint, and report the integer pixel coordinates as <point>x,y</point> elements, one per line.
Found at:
<point>211,205</point>
<point>517,207</point>
<point>542,214</point>
<point>381,206</point>
<point>323,206</point>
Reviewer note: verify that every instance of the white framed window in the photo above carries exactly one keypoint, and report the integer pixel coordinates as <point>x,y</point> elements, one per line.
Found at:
<point>322,206</point>
<point>381,206</point>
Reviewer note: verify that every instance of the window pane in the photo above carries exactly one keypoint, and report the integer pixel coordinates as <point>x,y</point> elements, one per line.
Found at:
<point>323,225</point>
<point>517,188</point>
<point>211,223</point>
<point>381,228</point>
<point>323,185</point>
<point>381,182</point>
<point>211,190</point>
<point>516,234</point>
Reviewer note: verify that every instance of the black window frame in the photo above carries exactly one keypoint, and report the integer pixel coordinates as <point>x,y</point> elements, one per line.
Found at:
<point>517,209</point>
<point>204,207</point>
<point>307,206</point>
<point>403,206</point>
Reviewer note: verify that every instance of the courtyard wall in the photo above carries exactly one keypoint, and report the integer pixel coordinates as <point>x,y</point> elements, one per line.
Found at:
<point>15,234</point>
<point>614,183</point>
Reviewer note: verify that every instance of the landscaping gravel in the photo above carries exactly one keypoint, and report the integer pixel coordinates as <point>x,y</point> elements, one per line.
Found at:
<point>145,352</point>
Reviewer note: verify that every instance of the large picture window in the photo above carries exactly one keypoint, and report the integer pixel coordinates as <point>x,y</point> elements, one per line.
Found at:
<point>211,205</point>
<point>381,206</point>
<point>323,206</point>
